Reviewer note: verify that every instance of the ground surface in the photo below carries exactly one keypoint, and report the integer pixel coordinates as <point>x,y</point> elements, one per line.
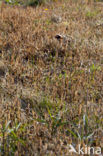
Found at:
<point>51,79</point>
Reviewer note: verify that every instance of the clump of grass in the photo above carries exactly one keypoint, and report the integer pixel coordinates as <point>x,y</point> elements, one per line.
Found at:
<point>82,131</point>
<point>91,14</point>
<point>54,119</point>
<point>10,137</point>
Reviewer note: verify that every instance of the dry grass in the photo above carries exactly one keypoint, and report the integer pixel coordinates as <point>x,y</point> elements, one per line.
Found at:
<point>47,85</point>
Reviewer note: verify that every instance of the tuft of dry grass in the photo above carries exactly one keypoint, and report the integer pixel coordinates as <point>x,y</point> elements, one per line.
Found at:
<point>51,79</point>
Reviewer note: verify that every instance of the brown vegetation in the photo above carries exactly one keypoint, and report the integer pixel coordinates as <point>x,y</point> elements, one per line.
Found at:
<point>47,85</point>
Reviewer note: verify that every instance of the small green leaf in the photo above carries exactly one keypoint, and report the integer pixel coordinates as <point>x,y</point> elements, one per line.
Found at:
<point>74,134</point>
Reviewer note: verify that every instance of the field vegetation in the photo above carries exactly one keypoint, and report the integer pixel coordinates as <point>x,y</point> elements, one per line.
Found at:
<point>51,76</point>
